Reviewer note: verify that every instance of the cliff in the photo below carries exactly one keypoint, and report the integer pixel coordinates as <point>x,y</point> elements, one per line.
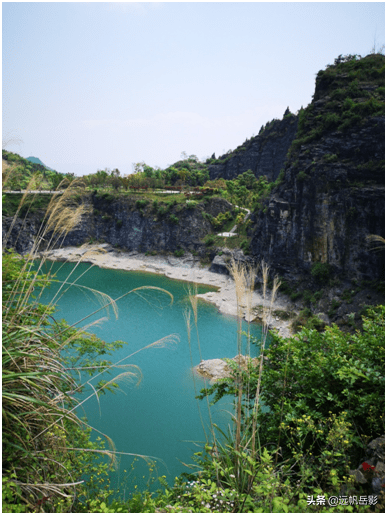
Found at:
<point>332,195</point>
<point>264,154</point>
<point>130,223</point>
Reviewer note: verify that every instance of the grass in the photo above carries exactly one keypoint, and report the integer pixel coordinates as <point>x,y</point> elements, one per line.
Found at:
<point>32,203</point>
<point>234,242</point>
<point>46,448</point>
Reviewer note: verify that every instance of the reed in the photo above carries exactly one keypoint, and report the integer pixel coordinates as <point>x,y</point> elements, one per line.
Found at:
<point>238,458</point>
<point>41,423</point>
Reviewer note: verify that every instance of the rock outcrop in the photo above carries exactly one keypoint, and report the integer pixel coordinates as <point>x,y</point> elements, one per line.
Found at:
<point>264,154</point>
<point>332,195</point>
<point>214,369</point>
<point>372,469</point>
<point>130,224</point>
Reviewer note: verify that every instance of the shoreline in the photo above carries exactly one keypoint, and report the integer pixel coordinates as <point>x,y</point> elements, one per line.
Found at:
<point>186,268</point>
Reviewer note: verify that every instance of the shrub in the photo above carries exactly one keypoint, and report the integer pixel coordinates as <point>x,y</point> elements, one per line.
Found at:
<point>308,320</point>
<point>207,216</point>
<point>174,219</point>
<point>209,240</point>
<point>329,374</point>
<point>334,305</point>
<point>295,295</point>
<point>162,209</point>
<point>245,246</point>
<point>179,253</point>
<point>321,272</point>
<point>191,204</point>
<point>301,176</point>
<point>349,121</point>
<point>140,204</point>
<point>331,120</point>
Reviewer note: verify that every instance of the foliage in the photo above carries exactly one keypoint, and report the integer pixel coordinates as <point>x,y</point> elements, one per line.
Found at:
<point>209,240</point>
<point>32,203</point>
<point>321,272</point>
<point>330,375</point>
<point>306,319</point>
<point>140,204</point>
<point>18,172</point>
<point>321,398</point>
<point>301,176</point>
<point>352,101</point>
<point>39,425</point>
<point>49,462</point>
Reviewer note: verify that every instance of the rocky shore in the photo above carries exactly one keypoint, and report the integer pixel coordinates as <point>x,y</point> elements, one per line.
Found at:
<point>186,268</point>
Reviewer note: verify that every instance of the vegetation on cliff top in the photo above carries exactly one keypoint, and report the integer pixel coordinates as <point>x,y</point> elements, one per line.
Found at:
<point>350,92</point>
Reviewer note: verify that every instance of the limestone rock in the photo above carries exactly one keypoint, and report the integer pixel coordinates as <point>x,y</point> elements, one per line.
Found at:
<point>219,265</point>
<point>264,154</point>
<point>214,369</point>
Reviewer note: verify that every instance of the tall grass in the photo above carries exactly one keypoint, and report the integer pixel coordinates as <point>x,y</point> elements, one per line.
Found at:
<point>234,457</point>
<point>239,458</point>
<point>43,436</point>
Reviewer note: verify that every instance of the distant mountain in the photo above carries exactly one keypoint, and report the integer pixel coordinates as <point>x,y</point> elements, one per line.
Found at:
<point>37,161</point>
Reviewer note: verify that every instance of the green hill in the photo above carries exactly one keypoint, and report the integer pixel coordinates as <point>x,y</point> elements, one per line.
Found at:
<point>18,172</point>
<point>37,161</point>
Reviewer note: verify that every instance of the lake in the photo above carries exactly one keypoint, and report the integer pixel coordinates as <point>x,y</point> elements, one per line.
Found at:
<point>160,417</point>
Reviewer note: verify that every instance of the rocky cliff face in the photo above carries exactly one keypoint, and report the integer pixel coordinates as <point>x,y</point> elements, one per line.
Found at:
<point>131,224</point>
<point>264,154</point>
<point>332,195</point>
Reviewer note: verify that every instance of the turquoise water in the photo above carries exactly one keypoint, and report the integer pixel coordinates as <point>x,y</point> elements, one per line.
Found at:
<point>159,417</point>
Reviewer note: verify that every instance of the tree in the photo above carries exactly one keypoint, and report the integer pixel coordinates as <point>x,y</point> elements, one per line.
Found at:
<point>239,220</point>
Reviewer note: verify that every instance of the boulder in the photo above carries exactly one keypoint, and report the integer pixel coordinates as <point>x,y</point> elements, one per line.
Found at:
<point>214,369</point>
<point>219,266</point>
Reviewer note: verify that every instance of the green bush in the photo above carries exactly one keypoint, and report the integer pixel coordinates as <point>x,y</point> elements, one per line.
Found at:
<point>174,219</point>
<point>179,253</point>
<point>331,120</point>
<point>321,272</point>
<point>245,246</point>
<point>162,209</point>
<point>333,308</point>
<point>330,158</point>
<point>308,320</point>
<point>208,217</point>
<point>329,374</point>
<point>301,176</point>
<point>140,204</point>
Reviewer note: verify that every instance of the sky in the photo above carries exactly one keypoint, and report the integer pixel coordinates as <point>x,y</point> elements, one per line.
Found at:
<point>89,86</point>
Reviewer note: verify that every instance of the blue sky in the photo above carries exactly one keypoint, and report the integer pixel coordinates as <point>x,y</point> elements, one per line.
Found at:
<point>94,85</point>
